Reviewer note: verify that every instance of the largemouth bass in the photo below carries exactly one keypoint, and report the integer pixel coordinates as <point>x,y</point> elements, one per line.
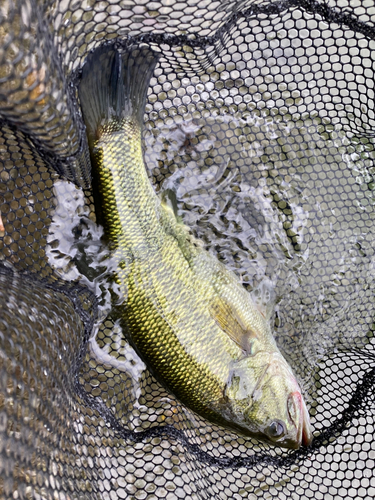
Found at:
<point>189,318</point>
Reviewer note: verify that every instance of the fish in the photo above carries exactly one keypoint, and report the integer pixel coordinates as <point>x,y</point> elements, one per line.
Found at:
<point>198,330</point>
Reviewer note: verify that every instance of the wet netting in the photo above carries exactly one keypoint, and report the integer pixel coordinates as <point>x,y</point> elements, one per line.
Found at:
<point>260,118</point>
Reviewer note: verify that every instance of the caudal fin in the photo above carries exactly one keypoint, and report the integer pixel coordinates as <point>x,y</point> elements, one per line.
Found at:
<point>114,86</point>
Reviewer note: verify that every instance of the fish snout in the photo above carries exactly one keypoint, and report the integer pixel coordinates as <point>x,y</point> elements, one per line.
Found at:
<point>300,418</point>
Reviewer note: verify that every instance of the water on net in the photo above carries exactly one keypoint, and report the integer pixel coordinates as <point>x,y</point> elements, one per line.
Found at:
<point>287,204</point>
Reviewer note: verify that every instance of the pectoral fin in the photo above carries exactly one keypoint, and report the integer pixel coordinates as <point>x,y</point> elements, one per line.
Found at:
<point>228,320</point>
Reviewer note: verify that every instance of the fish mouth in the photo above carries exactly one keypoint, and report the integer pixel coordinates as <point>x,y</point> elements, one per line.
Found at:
<point>304,435</point>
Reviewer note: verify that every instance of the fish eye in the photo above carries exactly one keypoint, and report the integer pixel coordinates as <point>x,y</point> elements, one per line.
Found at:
<point>276,429</point>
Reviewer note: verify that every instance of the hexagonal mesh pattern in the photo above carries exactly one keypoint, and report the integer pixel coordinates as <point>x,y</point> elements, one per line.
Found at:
<point>260,118</point>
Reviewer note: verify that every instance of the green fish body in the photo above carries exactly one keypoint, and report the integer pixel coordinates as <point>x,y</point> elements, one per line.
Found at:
<point>192,322</point>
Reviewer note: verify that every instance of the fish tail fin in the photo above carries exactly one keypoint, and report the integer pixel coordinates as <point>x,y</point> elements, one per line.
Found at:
<point>114,86</point>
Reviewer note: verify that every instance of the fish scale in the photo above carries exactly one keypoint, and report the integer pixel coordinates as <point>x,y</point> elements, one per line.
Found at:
<point>205,338</point>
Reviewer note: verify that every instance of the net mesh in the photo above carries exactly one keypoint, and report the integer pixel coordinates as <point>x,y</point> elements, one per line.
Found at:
<point>260,117</point>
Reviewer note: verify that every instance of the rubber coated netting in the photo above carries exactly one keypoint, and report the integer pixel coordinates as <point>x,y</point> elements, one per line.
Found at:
<point>260,117</point>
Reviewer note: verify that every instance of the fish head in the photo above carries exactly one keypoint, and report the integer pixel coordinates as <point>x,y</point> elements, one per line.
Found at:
<point>266,401</point>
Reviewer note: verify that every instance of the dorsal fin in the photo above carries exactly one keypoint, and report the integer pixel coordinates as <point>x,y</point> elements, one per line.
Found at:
<point>169,201</point>
<point>263,297</point>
